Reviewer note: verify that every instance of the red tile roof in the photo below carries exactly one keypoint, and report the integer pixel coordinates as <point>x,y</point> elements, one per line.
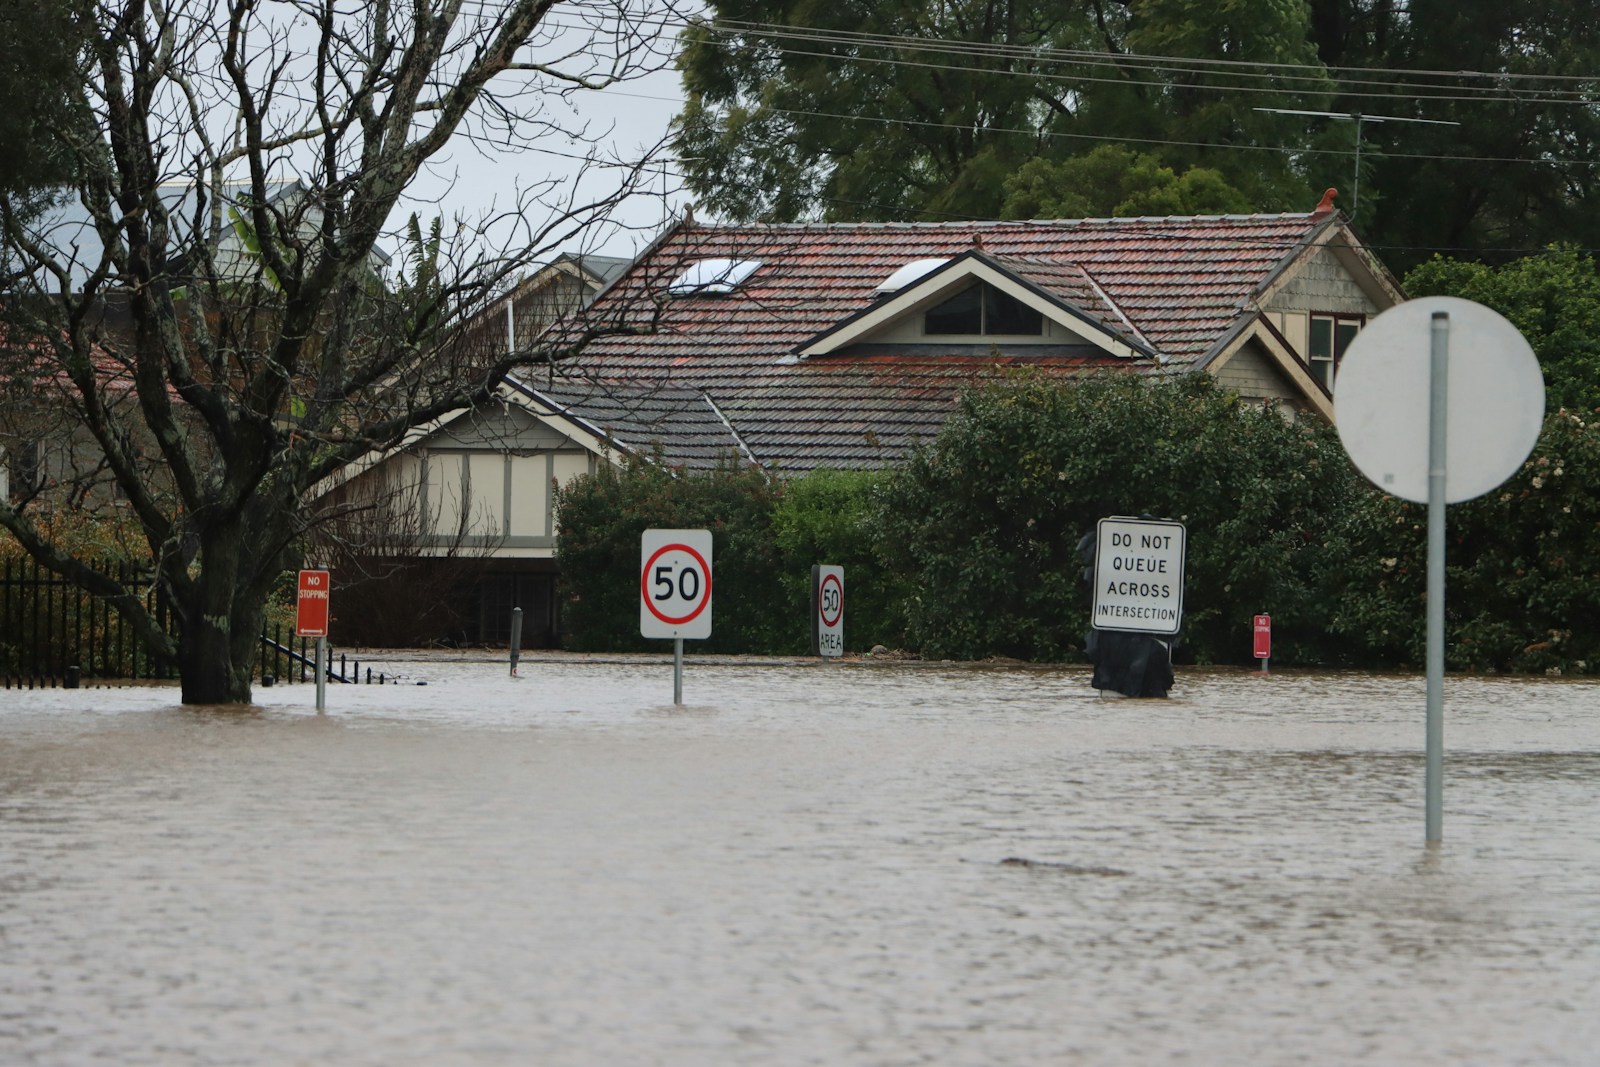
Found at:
<point>1172,286</point>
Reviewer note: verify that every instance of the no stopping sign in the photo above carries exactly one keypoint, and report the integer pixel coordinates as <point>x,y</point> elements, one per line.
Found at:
<point>675,583</point>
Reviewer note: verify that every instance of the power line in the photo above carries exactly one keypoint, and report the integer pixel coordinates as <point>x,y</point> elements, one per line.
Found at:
<point>1184,64</point>
<point>1300,78</point>
<point>1164,142</point>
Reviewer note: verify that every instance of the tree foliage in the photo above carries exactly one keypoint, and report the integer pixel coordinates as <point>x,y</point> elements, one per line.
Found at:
<point>1522,585</point>
<point>833,517</point>
<point>907,109</point>
<point>865,111</point>
<point>40,42</point>
<point>1113,181</point>
<point>765,538</point>
<point>1553,298</point>
<point>221,372</point>
<point>970,549</point>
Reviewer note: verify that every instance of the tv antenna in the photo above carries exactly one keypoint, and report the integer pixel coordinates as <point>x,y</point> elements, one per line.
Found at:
<point>1358,118</point>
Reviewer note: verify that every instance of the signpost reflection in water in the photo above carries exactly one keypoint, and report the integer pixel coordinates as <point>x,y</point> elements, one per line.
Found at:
<point>862,865</point>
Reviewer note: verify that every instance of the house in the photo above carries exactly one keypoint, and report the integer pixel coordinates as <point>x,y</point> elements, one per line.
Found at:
<point>219,215</point>
<point>463,509</point>
<point>845,344</point>
<point>802,346</point>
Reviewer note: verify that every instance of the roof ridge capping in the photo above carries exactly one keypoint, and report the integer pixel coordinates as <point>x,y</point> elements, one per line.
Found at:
<point>998,224</point>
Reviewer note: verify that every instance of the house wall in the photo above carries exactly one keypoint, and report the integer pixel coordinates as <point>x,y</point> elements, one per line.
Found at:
<point>1252,374</point>
<point>483,485</point>
<point>507,499</point>
<point>1322,284</point>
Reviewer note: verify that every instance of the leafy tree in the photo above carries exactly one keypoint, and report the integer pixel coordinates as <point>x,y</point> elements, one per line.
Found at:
<point>833,517</point>
<point>1114,181</point>
<point>1522,584</point>
<point>884,111</point>
<point>227,385</point>
<point>1517,171</point>
<point>39,51</point>
<point>1553,298</point>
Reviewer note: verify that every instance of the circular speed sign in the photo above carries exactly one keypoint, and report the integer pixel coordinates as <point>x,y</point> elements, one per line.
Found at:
<point>675,584</point>
<point>830,600</point>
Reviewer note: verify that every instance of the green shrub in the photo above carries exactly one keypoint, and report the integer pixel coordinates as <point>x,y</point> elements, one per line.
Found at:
<point>1522,585</point>
<point>834,517</point>
<point>600,521</point>
<point>987,520</point>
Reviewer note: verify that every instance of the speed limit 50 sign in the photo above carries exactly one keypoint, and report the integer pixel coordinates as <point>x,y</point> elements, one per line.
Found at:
<point>675,584</point>
<point>827,612</point>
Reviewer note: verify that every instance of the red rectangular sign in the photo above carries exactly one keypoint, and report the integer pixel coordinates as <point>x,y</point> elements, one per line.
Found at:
<point>311,606</point>
<point>1263,630</point>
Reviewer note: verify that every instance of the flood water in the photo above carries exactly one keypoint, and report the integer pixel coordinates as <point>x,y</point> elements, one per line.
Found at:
<point>875,865</point>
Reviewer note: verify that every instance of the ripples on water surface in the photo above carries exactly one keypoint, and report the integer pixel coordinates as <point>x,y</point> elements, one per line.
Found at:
<point>803,865</point>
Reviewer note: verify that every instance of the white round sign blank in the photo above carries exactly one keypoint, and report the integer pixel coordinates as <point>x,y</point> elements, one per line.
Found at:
<point>1494,399</point>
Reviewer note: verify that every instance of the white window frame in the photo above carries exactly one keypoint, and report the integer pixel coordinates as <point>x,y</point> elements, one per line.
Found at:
<point>1324,366</point>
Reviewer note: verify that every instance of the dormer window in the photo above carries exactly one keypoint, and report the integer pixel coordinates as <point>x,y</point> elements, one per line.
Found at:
<point>705,276</point>
<point>982,309</point>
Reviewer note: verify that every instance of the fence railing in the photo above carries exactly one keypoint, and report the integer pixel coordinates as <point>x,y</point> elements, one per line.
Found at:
<point>52,633</point>
<point>49,626</point>
<point>281,663</point>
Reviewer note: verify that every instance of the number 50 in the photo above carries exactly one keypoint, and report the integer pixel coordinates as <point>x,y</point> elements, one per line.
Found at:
<point>687,587</point>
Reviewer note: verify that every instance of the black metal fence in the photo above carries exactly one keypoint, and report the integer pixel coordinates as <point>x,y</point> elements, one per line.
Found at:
<point>50,629</point>
<point>283,663</point>
<point>53,633</point>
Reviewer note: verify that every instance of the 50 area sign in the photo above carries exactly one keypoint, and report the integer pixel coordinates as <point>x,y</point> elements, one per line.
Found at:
<point>675,584</point>
<point>827,611</point>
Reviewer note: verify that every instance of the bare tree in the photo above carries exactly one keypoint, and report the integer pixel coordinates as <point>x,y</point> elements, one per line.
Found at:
<point>224,320</point>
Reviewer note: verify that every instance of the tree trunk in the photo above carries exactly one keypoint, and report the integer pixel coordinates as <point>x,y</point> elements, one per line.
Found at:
<point>221,621</point>
<point>208,666</point>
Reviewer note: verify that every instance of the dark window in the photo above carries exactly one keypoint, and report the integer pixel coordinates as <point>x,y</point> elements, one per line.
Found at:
<point>962,313</point>
<point>982,309</point>
<point>1007,314</point>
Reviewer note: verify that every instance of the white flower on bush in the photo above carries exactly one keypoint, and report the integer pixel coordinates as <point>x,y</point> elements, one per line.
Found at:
<point>1538,481</point>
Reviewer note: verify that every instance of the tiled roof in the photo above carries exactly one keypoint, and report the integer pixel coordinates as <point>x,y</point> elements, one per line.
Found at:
<point>1173,286</point>
<point>640,417</point>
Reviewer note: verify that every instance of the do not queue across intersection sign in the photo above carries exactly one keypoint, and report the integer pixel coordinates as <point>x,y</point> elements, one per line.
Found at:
<point>1138,575</point>
<point>675,584</point>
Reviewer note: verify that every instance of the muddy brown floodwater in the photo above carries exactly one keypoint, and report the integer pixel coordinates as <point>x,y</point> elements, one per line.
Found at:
<point>834,865</point>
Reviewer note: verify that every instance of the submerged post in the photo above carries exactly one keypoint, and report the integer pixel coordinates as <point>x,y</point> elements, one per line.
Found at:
<point>516,638</point>
<point>322,674</point>
<point>1437,440</point>
<point>677,670</point>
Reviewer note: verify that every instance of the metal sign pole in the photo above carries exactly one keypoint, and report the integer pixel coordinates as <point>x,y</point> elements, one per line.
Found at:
<point>322,674</point>
<point>677,670</point>
<point>1437,437</point>
<point>516,638</point>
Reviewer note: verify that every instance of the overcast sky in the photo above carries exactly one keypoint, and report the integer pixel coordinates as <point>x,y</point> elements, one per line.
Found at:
<point>622,122</point>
